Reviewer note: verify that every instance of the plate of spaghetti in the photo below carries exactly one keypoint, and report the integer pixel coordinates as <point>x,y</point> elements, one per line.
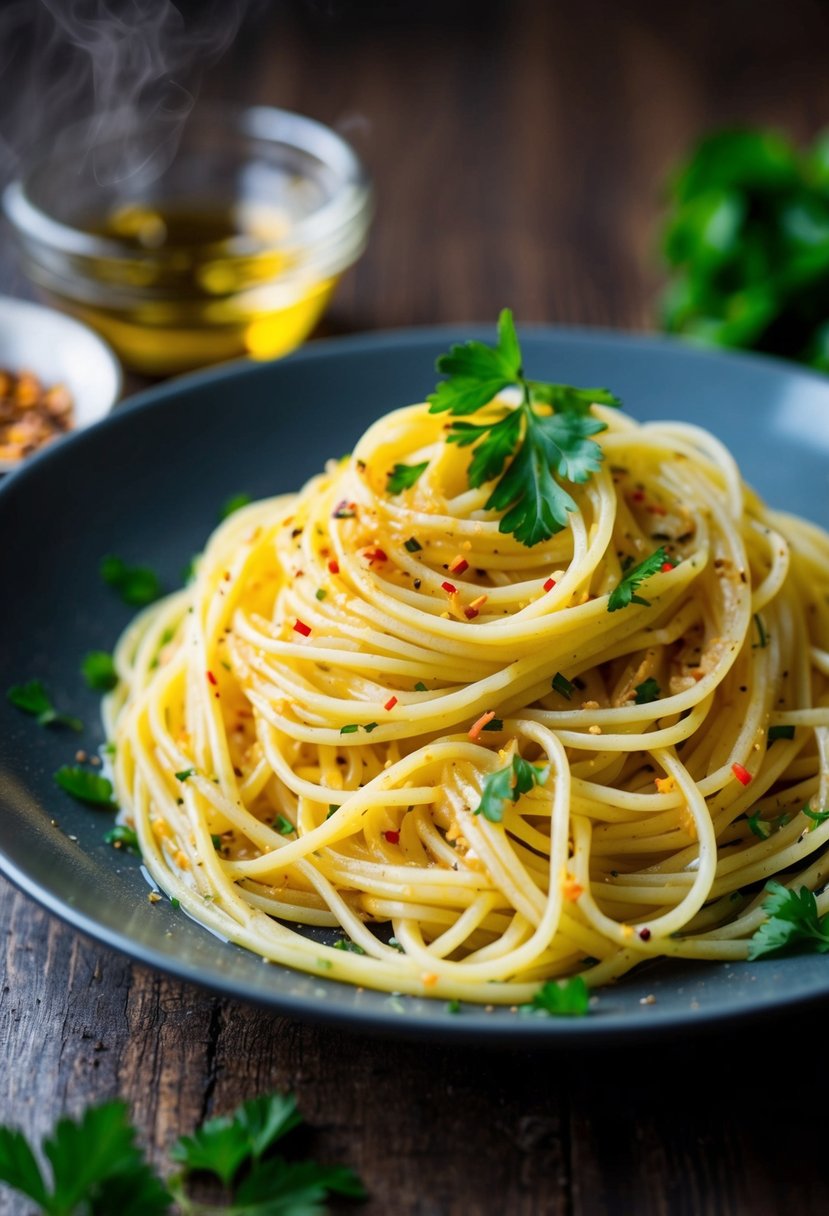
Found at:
<point>518,711</point>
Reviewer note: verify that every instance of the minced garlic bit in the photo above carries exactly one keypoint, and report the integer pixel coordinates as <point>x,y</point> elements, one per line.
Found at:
<point>594,730</point>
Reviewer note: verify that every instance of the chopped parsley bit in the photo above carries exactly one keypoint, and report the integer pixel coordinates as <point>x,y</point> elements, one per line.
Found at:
<point>453,1006</point>
<point>759,826</point>
<point>184,774</point>
<point>541,447</point>
<point>516,779</point>
<point>98,670</point>
<point>793,921</point>
<point>320,593</point>
<point>123,837</point>
<point>413,545</point>
<point>560,998</point>
<point>345,943</point>
<point>234,503</point>
<point>647,691</point>
<point>624,593</point>
<point>495,724</point>
<point>817,817</point>
<point>283,826</point>
<point>175,903</point>
<point>780,732</point>
<point>369,727</point>
<point>32,698</point>
<point>109,749</point>
<point>395,945</point>
<point>89,787</point>
<point>403,477</point>
<point>332,808</point>
<point>562,686</point>
<point>762,637</point>
<point>325,964</point>
<point>137,585</point>
<point>217,841</point>
<point>350,729</point>
<point>420,687</point>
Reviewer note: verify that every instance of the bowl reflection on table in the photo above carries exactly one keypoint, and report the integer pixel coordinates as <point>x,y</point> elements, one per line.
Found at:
<point>186,246</point>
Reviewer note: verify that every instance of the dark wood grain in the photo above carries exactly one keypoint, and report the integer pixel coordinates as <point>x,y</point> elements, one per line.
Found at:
<point>517,150</point>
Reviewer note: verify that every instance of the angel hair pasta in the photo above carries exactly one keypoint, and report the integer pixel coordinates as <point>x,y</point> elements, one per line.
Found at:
<point>490,732</point>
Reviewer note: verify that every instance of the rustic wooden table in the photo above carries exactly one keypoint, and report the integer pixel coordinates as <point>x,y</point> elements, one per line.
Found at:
<point>517,150</point>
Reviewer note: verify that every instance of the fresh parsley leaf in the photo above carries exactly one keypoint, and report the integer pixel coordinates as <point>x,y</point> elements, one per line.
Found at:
<point>284,826</point>
<point>562,686</point>
<point>19,1168</point>
<point>403,477</point>
<point>817,817</point>
<point>350,728</point>
<point>85,785</point>
<point>234,503</point>
<point>137,585</point>
<point>222,1145</point>
<point>793,923</point>
<point>32,698</point>
<point>98,670</point>
<point>412,545</point>
<point>294,1188</point>
<point>511,782</point>
<point>624,592</point>
<point>647,691</point>
<point>561,998</point>
<point>123,837</point>
<point>542,448</point>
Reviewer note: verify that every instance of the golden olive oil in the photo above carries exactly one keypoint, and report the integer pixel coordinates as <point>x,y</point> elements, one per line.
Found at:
<point>187,285</point>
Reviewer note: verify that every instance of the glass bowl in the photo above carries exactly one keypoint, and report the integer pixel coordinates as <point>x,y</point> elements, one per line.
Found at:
<point>188,244</point>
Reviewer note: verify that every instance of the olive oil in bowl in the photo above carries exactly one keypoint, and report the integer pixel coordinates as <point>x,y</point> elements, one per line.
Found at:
<point>233,248</point>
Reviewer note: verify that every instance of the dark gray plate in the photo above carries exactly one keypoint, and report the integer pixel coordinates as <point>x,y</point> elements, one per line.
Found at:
<point>147,483</point>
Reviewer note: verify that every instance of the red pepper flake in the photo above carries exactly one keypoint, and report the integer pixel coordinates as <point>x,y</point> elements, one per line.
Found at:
<point>645,934</point>
<point>470,613</point>
<point>212,678</point>
<point>375,555</point>
<point>390,704</point>
<point>478,726</point>
<point>301,627</point>
<point>392,837</point>
<point>550,583</point>
<point>458,565</point>
<point>449,588</point>
<point>333,567</point>
<point>742,774</point>
<point>666,566</point>
<point>638,495</point>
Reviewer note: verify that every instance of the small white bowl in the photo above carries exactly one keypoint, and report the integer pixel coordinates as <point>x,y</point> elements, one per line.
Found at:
<point>59,350</point>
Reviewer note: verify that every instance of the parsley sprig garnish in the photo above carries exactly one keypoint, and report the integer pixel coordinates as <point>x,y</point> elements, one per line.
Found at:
<point>624,592</point>
<point>560,998</point>
<point>793,923</point>
<point>544,446</point>
<point>32,698</point>
<point>511,782</point>
<point>404,476</point>
<point>97,1168</point>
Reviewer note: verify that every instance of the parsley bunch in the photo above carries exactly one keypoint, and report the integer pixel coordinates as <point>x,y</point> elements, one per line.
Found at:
<point>511,782</point>
<point>546,439</point>
<point>97,1168</point>
<point>747,242</point>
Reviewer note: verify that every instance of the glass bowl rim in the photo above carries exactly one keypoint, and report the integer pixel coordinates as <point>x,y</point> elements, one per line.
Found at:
<point>350,199</point>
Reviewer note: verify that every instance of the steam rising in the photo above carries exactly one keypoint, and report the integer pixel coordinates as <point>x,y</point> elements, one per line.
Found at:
<point>106,60</point>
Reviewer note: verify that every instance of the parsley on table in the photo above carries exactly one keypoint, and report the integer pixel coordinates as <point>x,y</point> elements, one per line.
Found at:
<point>85,785</point>
<point>516,779</point>
<point>624,592</point>
<point>234,503</point>
<point>98,669</point>
<point>793,923</point>
<point>647,691</point>
<point>123,837</point>
<point>560,998</point>
<point>403,477</point>
<point>97,1168</point>
<point>32,698</point>
<point>544,446</point>
<point>137,585</point>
